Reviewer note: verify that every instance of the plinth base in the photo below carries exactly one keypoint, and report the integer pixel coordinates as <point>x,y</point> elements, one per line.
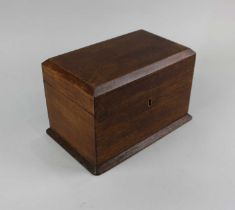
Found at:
<point>99,169</point>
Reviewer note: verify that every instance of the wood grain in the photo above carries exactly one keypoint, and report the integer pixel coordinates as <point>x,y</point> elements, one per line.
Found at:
<point>68,86</point>
<point>109,100</point>
<point>99,169</point>
<point>71,122</point>
<point>106,61</point>
<point>124,118</point>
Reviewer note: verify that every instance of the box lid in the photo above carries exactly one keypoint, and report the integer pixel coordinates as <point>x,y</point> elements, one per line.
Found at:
<point>110,64</point>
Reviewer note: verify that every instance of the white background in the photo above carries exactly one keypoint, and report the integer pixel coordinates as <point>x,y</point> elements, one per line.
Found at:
<point>192,168</point>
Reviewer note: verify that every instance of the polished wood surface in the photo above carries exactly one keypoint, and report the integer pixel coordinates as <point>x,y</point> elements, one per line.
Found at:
<point>124,116</point>
<point>68,86</point>
<point>71,122</point>
<point>101,168</point>
<point>103,62</point>
<point>105,99</point>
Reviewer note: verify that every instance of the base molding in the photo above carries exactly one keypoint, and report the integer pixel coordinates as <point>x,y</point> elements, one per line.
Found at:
<point>99,169</point>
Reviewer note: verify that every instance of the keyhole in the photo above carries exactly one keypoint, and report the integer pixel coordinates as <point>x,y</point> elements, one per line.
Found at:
<point>150,103</point>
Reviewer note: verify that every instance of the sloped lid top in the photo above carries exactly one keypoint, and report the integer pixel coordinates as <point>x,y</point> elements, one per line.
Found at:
<point>110,64</point>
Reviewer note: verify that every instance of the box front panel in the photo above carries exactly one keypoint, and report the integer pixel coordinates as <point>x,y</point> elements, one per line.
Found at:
<point>136,111</point>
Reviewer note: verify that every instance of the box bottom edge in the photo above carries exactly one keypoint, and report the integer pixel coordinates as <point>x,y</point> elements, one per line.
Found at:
<point>99,169</point>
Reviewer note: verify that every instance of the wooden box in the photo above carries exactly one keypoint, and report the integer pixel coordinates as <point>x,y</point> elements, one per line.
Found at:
<point>110,100</point>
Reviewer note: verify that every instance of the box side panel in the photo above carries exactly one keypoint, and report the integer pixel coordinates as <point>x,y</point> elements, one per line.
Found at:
<point>68,118</point>
<point>131,113</point>
<point>68,85</point>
